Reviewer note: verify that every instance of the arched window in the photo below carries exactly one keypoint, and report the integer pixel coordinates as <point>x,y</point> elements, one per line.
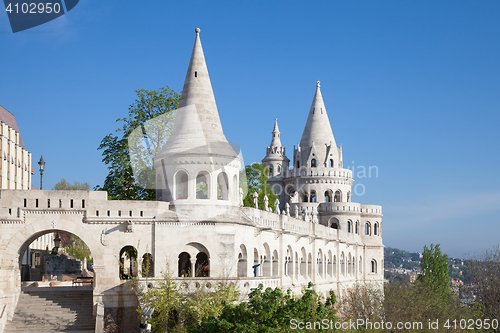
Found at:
<point>203,185</point>
<point>148,268</point>
<point>334,223</point>
<point>367,228</point>
<point>349,228</point>
<point>338,196</point>
<point>184,265</point>
<point>374,266</point>
<point>313,196</point>
<point>331,163</point>
<point>181,185</point>
<point>222,187</point>
<point>313,163</point>
<point>128,262</point>
<point>279,169</point>
<point>375,229</point>
<point>242,261</point>
<point>270,171</point>
<point>328,196</point>
<point>298,164</point>
<point>202,266</point>
<point>356,228</point>
<point>349,196</point>
<point>342,264</point>
<point>275,263</point>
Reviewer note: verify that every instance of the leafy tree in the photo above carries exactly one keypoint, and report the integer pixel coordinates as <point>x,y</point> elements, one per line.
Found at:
<point>435,273</point>
<point>485,275</point>
<point>76,247</point>
<point>64,185</point>
<point>270,310</point>
<point>131,146</point>
<point>256,181</point>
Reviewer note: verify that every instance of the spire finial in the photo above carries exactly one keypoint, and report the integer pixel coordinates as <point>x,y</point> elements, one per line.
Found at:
<point>318,84</point>
<point>197,30</point>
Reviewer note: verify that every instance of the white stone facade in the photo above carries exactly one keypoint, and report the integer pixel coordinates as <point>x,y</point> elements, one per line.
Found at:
<point>197,228</point>
<point>15,166</point>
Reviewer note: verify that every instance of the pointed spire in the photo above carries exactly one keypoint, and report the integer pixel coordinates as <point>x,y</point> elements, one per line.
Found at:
<point>197,90</point>
<point>276,141</point>
<point>317,132</point>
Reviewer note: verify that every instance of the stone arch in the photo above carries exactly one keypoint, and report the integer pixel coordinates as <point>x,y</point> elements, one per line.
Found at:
<point>319,262</point>
<point>313,196</point>
<point>338,196</point>
<point>373,266</point>
<point>334,223</point>
<point>184,265</point>
<point>342,264</point>
<point>278,169</point>
<point>376,229</point>
<point>128,262</point>
<point>266,266</point>
<point>270,171</point>
<point>313,163</point>
<point>181,180</point>
<point>368,228</point>
<point>256,262</point>
<point>349,226</point>
<point>203,185</point>
<point>331,163</point>
<point>202,265</point>
<point>242,262</point>
<point>148,265</point>
<point>222,186</point>
<point>328,196</point>
<point>289,261</point>
<point>303,263</point>
<point>356,228</point>
<point>14,247</point>
<point>236,189</point>
<point>275,263</point>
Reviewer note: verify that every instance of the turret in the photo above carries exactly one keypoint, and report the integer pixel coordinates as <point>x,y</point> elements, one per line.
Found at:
<point>197,165</point>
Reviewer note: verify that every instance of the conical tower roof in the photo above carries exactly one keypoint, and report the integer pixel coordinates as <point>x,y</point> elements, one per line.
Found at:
<point>276,141</point>
<point>197,90</point>
<point>317,132</point>
<point>197,128</point>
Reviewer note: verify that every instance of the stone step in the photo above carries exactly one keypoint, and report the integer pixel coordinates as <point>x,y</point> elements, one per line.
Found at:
<point>53,311</point>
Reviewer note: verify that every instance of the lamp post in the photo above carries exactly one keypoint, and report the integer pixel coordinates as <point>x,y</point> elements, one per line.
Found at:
<point>41,167</point>
<point>57,243</point>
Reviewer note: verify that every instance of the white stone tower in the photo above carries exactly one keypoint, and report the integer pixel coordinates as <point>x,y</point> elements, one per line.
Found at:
<point>277,164</point>
<point>197,166</point>
<point>317,175</point>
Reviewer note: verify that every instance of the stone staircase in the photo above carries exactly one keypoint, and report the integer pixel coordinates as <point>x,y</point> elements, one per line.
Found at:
<point>53,310</point>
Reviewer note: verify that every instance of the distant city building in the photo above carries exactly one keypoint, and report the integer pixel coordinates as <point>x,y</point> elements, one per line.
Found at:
<point>15,168</point>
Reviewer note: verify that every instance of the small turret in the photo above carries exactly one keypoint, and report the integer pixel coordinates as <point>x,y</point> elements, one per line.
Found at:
<point>276,161</point>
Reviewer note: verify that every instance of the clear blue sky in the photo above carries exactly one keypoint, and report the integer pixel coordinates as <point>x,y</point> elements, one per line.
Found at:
<point>411,87</point>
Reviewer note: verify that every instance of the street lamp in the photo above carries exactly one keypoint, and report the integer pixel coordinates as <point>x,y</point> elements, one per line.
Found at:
<point>57,243</point>
<point>41,166</point>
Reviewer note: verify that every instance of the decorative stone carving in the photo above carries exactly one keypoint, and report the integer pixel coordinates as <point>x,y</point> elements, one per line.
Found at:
<point>287,209</point>
<point>277,206</point>
<point>266,203</point>
<point>240,193</point>
<point>129,226</point>
<point>255,200</point>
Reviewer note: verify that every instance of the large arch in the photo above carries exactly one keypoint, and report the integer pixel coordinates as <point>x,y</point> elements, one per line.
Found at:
<point>242,262</point>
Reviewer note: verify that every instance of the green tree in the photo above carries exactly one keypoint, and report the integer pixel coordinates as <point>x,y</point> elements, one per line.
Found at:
<point>435,272</point>
<point>76,186</point>
<point>271,310</point>
<point>256,181</point>
<point>144,132</point>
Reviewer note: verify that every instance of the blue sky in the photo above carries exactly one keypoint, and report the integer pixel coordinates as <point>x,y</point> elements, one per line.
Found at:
<point>411,87</point>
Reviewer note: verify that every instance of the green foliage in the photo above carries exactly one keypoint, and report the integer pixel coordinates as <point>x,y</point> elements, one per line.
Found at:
<point>175,309</point>
<point>64,185</point>
<point>256,181</point>
<point>119,152</point>
<point>77,248</point>
<point>270,310</point>
<point>435,273</point>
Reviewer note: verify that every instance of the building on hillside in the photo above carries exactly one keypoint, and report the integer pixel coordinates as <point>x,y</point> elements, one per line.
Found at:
<point>198,227</point>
